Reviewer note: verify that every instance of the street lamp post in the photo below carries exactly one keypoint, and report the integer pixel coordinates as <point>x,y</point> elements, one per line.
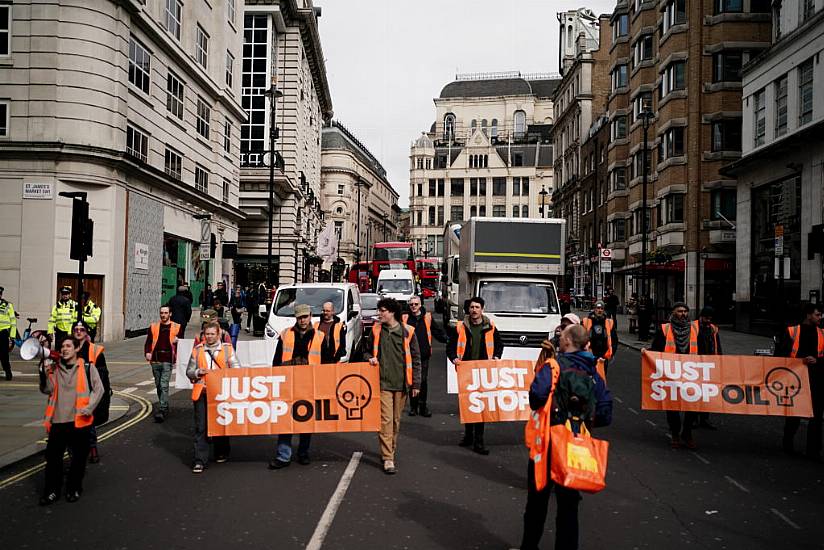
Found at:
<point>646,116</point>
<point>273,93</point>
<point>543,192</point>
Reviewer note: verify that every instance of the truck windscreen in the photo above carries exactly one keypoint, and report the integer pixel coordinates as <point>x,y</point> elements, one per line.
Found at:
<point>515,297</point>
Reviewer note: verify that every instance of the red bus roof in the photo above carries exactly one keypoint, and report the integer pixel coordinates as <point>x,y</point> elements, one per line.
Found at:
<point>393,245</point>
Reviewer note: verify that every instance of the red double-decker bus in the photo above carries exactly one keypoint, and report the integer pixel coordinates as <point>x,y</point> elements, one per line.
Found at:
<point>429,271</point>
<point>393,255</point>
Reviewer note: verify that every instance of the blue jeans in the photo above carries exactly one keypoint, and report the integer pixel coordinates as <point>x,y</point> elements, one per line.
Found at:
<point>162,374</point>
<point>284,448</point>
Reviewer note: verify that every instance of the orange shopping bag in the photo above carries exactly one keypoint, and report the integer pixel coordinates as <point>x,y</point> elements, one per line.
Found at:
<point>578,461</point>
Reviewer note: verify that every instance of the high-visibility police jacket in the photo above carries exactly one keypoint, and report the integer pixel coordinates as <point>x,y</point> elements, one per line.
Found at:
<point>91,314</point>
<point>82,398</point>
<point>336,337</point>
<point>8,320</point>
<point>407,348</point>
<point>62,316</point>
<point>795,338</point>
<point>287,341</point>
<point>609,326</point>
<point>154,330</point>
<point>221,360</point>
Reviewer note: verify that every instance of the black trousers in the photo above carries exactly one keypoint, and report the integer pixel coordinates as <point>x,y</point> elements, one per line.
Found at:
<point>678,428</point>
<point>236,315</point>
<point>61,436</point>
<point>4,351</point>
<point>93,334</point>
<point>537,505</point>
<point>792,423</point>
<point>419,402</point>
<point>474,432</point>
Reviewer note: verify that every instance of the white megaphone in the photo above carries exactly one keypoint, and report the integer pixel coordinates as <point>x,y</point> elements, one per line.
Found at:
<point>31,349</point>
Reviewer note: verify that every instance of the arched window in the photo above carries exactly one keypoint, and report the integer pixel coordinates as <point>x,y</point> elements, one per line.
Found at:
<point>569,36</point>
<point>525,211</point>
<point>486,161</point>
<point>473,124</point>
<point>473,211</point>
<point>482,211</point>
<point>494,128</point>
<point>483,126</point>
<point>472,161</point>
<point>520,124</point>
<point>449,127</point>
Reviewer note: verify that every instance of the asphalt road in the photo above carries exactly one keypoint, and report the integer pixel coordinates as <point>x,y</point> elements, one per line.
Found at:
<point>737,491</point>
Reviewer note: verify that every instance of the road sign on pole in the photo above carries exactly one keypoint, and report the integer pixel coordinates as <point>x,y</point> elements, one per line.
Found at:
<point>205,239</point>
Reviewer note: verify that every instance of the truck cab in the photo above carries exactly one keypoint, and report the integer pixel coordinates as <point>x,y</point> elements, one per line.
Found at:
<point>524,309</point>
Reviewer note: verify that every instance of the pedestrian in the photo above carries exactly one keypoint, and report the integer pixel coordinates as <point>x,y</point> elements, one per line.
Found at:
<point>160,350</point>
<point>207,316</point>
<point>188,292</point>
<point>553,405</point>
<point>425,329</point>
<point>91,315</point>
<point>180,306</point>
<point>392,345</point>
<point>602,332</point>
<point>74,391</point>
<point>251,306</point>
<point>644,317</point>
<point>632,312</point>
<point>219,307</point>
<point>805,341</point>
<point>566,320</point>
<point>678,336</point>
<point>206,297</point>
<point>709,343</point>
<point>611,303</point>
<point>221,293</point>
<point>210,355</point>
<point>8,332</point>
<point>334,334</point>
<point>237,303</point>
<point>93,354</point>
<point>299,344</point>
<point>63,315</point>
<point>474,338</point>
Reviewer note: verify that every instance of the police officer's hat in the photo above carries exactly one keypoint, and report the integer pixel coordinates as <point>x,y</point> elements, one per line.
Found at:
<point>80,324</point>
<point>66,290</point>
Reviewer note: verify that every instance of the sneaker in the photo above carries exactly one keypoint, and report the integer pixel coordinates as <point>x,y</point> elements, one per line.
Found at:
<point>221,459</point>
<point>277,464</point>
<point>304,460</point>
<point>72,496</point>
<point>465,442</point>
<point>197,468</point>
<point>48,499</point>
<point>159,418</point>
<point>424,411</point>
<point>94,456</point>
<point>389,467</point>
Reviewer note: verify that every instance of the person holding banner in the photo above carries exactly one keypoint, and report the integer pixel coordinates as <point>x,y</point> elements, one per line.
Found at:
<point>806,342</point>
<point>92,354</point>
<point>603,335</point>
<point>709,343</point>
<point>425,329</point>
<point>393,347</point>
<point>678,336</point>
<point>334,334</point>
<point>473,339</point>
<point>299,344</point>
<point>209,355</point>
<point>160,350</point>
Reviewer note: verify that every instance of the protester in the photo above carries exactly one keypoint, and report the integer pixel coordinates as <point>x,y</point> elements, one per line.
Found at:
<point>425,328</point>
<point>678,336</point>
<point>611,303</point>
<point>160,351</point>
<point>180,306</point>
<point>806,342</point>
<point>603,334</point>
<point>566,320</point>
<point>393,346</point>
<point>474,338</point>
<point>299,344</point>
<point>93,355</point>
<point>63,315</point>
<point>709,343</point>
<point>334,334</point>
<point>91,315</point>
<point>8,332</point>
<point>74,391</point>
<point>595,409</point>
<point>210,355</point>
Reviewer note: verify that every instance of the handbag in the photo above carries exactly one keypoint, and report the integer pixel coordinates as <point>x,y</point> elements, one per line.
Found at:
<point>578,461</point>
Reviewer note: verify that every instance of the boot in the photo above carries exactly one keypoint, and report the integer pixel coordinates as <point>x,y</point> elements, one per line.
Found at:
<point>467,439</point>
<point>424,411</point>
<point>479,446</point>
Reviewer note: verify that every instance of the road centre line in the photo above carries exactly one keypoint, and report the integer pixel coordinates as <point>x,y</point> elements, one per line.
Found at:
<point>701,458</point>
<point>334,503</point>
<point>633,411</point>
<point>618,399</point>
<point>731,480</point>
<point>787,520</point>
<point>651,423</point>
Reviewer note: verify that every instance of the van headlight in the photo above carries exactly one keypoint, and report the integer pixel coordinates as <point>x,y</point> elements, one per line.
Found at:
<point>270,332</point>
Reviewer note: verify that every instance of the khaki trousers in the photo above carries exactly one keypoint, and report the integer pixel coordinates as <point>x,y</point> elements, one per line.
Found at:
<point>392,403</point>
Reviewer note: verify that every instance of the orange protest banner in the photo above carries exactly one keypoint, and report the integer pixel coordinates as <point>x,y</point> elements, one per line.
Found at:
<point>494,391</point>
<point>343,397</point>
<point>730,384</point>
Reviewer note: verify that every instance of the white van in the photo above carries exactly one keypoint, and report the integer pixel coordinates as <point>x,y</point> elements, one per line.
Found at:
<point>396,283</point>
<point>344,297</point>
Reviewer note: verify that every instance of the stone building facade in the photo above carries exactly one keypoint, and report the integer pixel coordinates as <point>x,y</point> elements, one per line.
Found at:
<point>282,46</point>
<point>357,196</point>
<point>488,153</point>
<point>138,105</point>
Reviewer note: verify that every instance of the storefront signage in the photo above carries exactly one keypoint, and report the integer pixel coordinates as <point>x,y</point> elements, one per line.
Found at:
<point>38,191</point>
<point>141,257</point>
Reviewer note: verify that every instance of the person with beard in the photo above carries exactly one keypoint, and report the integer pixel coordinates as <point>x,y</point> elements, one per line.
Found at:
<point>678,336</point>
<point>603,335</point>
<point>334,334</point>
<point>425,328</point>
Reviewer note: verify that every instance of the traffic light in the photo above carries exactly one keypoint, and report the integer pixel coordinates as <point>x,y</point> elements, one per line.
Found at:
<point>212,246</point>
<point>82,231</point>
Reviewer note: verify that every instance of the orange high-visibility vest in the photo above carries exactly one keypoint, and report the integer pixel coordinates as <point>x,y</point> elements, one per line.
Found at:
<point>82,398</point>
<point>795,335</point>
<point>669,334</point>
<point>695,328</point>
<point>337,329</point>
<point>154,328</point>
<point>489,340</point>
<point>221,360</point>
<point>94,351</point>
<point>407,351</point>
<point>608,324</point>
<point>287,337</point>
<point>427,321</point>
<point>536,431</point>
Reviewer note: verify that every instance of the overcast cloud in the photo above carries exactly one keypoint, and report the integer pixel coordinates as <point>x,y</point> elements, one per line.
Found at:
<point>386,60</point>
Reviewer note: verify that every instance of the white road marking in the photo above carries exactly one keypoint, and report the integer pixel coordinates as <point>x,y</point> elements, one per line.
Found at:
<point>145,383</point>
<point>15,373</point>
<point>334,503</point>
<point>151,392</point>
<point>731,480</point>
<point>787,520</point>
<point>618,399</point>
<point>699,457</point>
<point>129,390</point>
<point>633,411</point>
<point>33,424</point>
<point>651,423</point>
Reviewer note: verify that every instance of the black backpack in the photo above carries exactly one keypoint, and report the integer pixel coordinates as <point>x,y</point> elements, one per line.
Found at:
<point>574,394</point>
<point>101,411</point>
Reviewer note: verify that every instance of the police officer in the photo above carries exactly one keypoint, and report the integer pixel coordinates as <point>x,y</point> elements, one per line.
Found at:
<point>63,314</point>
<point>8,331</point>
<point>603,336</point>
<point>91,315</point>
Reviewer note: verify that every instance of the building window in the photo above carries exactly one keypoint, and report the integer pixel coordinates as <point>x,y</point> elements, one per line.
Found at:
<point>4,119</point>
<point>727,66</point>
<point>524,211</point>
<point>433,189</point>
<point>620,77</point>
<point>525,186</point>
<point>499,187</point>
<point>456,214</point>
<point>499,211</point>
<point>174,13</point>
<point>173,163</point>
<point>230,64</point>
<point>202,47</point>
<point>227,136</point>
<point>456,187</point>
<point>137,143</point>
<point>781,106</point>
<point>254,82</point>
<point>431,215</point>
<point>440,187</point>
<point>671,144</point>
<point>620,26</point>
<point>225,190</point>
<point>203,114</point>
<point>642,50</point>
<point>805,92</point>
<point>440,215</point>
<point>449,127</point>
<point>675,208</point>
<point>517,159</point>
<point>619,230</point>
<point>139,65</point>
<point>340,189</point>
<point>673,77</point>
<point>230,10</point>
<point>516,186</point>
<point>729,6</point>
<point>174,95</point>
<point>520,124</point>
<point>473,211</point>
<point>420,189</point>
<point>675,13</point>
<point>201,179</point>
<point>5,30</point>
<point>759,118</point>
<point>516,211</point>
<point>723,204</point>
<point>726,135</point>
<point>482,210</point>
<point>761,6</point>
<point>619,178</point>
<point>494,129</point>
<point>619,127</point>
<point>807,9</point>
<point>641,103</point>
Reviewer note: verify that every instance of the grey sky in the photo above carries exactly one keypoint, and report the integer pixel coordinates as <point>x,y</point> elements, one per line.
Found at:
<point>386,60</point>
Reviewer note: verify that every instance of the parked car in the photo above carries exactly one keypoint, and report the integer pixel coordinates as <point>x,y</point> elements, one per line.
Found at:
<point>345,298</point>
<point>369,310</point>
